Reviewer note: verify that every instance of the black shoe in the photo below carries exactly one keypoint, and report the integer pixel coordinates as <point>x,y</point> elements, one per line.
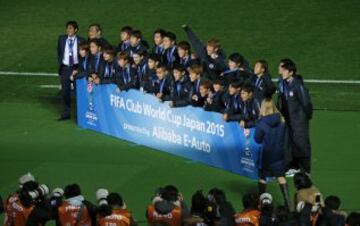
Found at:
<point>64,117</point>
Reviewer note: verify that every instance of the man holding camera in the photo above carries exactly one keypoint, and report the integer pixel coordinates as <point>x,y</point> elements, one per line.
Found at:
<point>21,207</point>
<point>112,210</point>
<point>73,211</point>
<point>167,208</point>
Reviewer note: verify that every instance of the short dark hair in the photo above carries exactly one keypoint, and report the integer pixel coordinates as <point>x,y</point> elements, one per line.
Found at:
<point>84,46</point>
<point>97,26</point>
<point>247,88</point>
<point>170,193</point>
<point>154,57</point>
<point>140,52</point>
<point>286,60</point>
<point>137,34</point>
<point>96,41</point>
<point>353,219</point>
<point>206,84</point>
<point>198,202</point>
<point>250,201</point>
<point>264,65</point>
<point>109,50</point>
<point>72,23</point>
<point>236,85</point>
<point>237,58</point>
<point>333,202</point>
<point>115,199</point>
<point>302,180</point>
<point>179,67</point>
<point>184,45</point>
<point>72,190</point>
<point>219,195</point>
<point>290,66</point>
<point>160,31</point>
<point>170,35</point>
<point>219,82</point>
<point>126,29</point>
<point>162,66</point>
<point>30,186</point>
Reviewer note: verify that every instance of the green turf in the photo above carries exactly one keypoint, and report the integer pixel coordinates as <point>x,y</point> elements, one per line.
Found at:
<point>321,36</point>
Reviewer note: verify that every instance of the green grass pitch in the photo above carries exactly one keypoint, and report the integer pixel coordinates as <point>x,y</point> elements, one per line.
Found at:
<point>322,37</point>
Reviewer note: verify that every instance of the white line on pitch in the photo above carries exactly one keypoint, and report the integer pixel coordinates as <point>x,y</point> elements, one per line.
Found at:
<point>50,86</point>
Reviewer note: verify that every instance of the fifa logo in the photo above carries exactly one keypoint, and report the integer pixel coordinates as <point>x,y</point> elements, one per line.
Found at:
<point>247,151</point>
<point>90,88</point>
<point>90,114</point>
<point>246,159</point>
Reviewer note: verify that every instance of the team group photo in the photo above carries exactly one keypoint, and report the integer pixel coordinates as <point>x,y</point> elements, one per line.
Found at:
<point>179,113</point>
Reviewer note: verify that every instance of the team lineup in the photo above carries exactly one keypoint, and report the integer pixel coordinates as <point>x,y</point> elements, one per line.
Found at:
<point>244,116</point>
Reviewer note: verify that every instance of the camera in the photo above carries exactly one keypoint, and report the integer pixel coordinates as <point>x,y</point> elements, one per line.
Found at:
<point>57,193</point>
<point>40,192</point>
<point>266,199</point>
<point>101,196</point>
<point>267,216</point>
<point>56,197</point>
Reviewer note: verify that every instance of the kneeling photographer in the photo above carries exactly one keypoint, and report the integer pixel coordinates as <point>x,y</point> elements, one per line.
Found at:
<point>74,210</point>
<point>30,197</point>
<point>203,212</point>
<point>14,197</point>
<point>112,210</point>
<point>167,207</point>
<point>224,208</point>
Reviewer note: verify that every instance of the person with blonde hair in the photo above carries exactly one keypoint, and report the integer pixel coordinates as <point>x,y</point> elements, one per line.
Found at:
<point>270,131</point>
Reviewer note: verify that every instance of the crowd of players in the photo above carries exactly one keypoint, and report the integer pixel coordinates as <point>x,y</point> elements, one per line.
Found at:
<point>189,73</point>
<point>33,205</point>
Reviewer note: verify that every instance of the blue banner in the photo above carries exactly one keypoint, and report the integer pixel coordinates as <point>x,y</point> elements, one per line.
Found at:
<point>188,132</point>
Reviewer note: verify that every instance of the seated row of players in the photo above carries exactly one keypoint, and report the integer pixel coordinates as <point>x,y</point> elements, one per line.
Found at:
<point>172,73</point>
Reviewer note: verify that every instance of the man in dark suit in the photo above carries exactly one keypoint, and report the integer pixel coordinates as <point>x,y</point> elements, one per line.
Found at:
<point>136,43</point>
<point>158,47</point>
<point>181,87</point>
<point>250,107</point>
<point>107,67</point>
<point>196,78</point>
<point>163,85</point>
<point>261,80</point>
<point>233,103</point>
<point>125,75</point>
<point>170,55</point>
<point>216,100</point>
<point>236,71</point>
<point>68,60</point>
<point>95,32</point>
<point>295,105</point>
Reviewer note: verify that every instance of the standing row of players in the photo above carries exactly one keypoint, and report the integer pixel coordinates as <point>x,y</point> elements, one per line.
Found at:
<point>172,72</point>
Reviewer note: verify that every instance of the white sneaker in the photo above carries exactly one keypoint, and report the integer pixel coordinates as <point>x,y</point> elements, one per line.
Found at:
<point>292,172</point>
